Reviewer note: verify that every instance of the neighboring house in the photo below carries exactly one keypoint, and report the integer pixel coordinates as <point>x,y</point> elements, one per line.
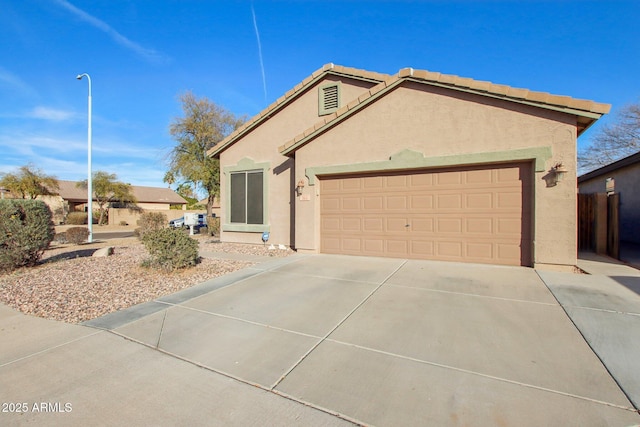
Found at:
<point>71,198</point>
<point>623,178</point>
<point>415,165</point>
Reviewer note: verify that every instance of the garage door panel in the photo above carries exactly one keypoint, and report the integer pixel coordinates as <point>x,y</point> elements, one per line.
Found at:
<point>351,244</point>
<point>509,226</point>
<point>351,224</point>
<point>330,204</point>
<point>509,199</point>
<point>373,203</point>
<point>479,225</point>
<point>448,201</point>
<point>473,214</point>
<point>374,246</point>
<point>372,225</point>
<point>449,225</point>
<point>448,178</point>
<point>449,249</point>
<point>485,176</point>
<point>479,200</point>
<point>422,225</point>
<point>396,225</point>
<point>397,247</point>
<point>480,251</point>
<point>351,184</point>
<point>420,180</point>
<point>396,202</point>
<point>331,225</point>
<point>422,202</point>
<point>372,182</point>
<point>422,248</point>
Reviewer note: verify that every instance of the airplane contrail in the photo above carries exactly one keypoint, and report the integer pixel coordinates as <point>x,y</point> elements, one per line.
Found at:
<point>255,26</point>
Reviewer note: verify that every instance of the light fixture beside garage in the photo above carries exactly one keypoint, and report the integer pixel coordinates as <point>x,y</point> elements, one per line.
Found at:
<point>559,171</point>
<point>299,187</point>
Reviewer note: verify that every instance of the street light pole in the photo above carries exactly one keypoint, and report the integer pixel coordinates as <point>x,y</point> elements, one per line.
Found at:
<point>89,183</point>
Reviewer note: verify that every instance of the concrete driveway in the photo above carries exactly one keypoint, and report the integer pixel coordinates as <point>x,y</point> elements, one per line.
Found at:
<point>321,340</point>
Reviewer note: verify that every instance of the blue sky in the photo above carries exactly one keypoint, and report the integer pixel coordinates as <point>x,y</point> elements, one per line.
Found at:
<point>242,55</point>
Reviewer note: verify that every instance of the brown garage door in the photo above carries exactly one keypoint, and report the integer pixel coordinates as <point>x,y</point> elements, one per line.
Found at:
<point>472,214</point>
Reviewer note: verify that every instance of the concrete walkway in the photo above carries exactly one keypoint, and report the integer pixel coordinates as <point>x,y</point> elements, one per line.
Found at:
<point>605,306</point>
<point>330,340</point>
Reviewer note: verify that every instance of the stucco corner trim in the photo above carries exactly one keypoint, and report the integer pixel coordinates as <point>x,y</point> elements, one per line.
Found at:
<point>409,159</point>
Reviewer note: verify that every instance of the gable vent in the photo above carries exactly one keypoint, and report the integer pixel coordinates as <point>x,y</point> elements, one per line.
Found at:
<point>329,99</point>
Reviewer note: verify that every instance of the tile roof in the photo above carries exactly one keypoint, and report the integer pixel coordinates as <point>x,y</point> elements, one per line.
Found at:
<point>281,102</point>
<point>69,191</point>
<point>586,111</point>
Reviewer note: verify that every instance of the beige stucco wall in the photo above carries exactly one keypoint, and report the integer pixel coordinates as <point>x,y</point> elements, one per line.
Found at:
<point>435,122</point>
<point>440,123</point>
<point>261,146</point>
<point>627,182</point>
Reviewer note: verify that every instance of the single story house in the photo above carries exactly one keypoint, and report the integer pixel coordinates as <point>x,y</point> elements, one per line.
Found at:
<point>413,165</point>
<point>71,198</point>
<point>621,177</point>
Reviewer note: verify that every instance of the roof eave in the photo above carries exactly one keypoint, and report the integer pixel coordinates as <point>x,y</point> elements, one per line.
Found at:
<point>589,117</point>
<point>290,96</point>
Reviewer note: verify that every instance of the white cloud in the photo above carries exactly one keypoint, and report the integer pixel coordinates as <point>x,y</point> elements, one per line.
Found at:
<point>51,114</point>
<point>148,54</point>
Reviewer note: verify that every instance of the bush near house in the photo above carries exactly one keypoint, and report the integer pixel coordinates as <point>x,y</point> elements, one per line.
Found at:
<point>170,249</point>
<point>26,230</point>
<point>150,221</point>
<point>76,235</point>
<point>77,218</point>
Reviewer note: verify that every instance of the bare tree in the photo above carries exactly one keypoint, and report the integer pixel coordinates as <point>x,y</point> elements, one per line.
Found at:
<point>203,125</point>
<point>613,141</point>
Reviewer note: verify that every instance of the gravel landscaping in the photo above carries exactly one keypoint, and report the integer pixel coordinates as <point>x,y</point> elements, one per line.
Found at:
<point>72,286</point>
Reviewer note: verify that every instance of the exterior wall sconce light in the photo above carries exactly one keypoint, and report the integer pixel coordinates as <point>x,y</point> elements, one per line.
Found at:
<point>300,187</point>
<point>559,171</point>
<point>555,174</point>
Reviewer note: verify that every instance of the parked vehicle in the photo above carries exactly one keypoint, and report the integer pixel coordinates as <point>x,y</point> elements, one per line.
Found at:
<point>177,223</point>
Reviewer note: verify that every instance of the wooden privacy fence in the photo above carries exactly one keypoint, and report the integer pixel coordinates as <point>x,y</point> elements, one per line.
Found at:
<point>599,223</point>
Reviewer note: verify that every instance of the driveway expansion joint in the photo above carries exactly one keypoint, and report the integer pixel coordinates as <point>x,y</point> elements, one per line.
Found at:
<point>242,380</point>
<point>480,374</point>
<point>304,356</point>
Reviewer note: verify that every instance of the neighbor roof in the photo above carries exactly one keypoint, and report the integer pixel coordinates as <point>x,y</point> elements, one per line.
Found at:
<point>586,111</point>
<point>69,191</point>
<point>328,69</point>
<point>611,167</point>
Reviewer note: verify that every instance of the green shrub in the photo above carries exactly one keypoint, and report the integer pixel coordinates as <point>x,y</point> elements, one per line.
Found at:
<point>150,221</point>
<point>214,226</point>
<point>170,249</point>
<point>26,230</point>
<point>123,223</point>
<point>77,235</point>
<point>77,218</point>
